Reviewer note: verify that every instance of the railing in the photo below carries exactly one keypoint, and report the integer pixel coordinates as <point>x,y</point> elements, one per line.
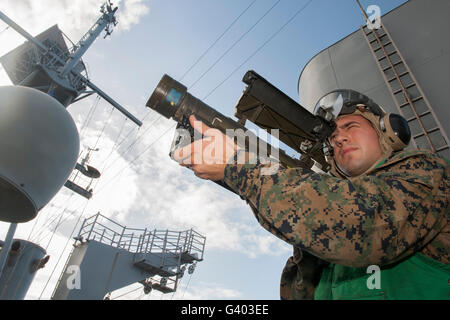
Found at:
<point>105,230</point>
<point>185,246</point>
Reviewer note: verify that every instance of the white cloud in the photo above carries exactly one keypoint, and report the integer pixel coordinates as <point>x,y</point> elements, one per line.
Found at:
<point>132,12</point>
<point>207,291</point>
<point>140,186</point>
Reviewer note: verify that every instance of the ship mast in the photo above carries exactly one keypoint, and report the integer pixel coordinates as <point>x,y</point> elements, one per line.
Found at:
<point>103,23</point>
<point>62,69</point>
<point>46,64</point>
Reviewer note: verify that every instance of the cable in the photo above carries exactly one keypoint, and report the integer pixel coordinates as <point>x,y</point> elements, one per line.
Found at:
<point>34,225</point>
<point>104,126</point>
<point>234,44</point>
<point>259,48</point>
<point>98,139</point>
<point>140,297</point>
<point>133,143</point>
<point>124,294</point>
<point>48,226</point>
<point>132,130</point>
<point>180,280</point>
<point>31,235</point>
<point>51,217</point>
<point>61,221</point>
<point>110,153</point>
<point>47,223</point>
<point>189,281</point>
<point>254,53</point>
<point>90,114</point>
<point>54,230</point>
<point>103,165</point>
<point>217,40</point>
<point>120,171</point>
<point>140,134</point>
<point>4,29</point>
<point>98,192</point>
<point>137,157</point>
<point>260,19</point>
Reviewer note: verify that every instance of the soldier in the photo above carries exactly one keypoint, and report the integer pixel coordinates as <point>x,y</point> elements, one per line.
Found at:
<point>383,209</point>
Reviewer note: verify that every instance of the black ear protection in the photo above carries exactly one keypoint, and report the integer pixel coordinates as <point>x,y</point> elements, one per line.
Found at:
<point>346,101</point>
<point>396,129</point>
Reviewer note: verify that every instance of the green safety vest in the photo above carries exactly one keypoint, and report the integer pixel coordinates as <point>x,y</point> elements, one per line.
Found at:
<point>418,278</point>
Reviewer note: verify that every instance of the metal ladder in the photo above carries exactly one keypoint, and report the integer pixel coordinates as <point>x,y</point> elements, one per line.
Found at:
<point>426,130</point>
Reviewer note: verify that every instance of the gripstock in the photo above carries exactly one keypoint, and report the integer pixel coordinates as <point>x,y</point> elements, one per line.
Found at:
<point>261,103</point>
<point>268,107</point>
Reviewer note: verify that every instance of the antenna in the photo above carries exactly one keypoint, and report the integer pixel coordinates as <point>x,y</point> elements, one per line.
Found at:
<point>45,62</point>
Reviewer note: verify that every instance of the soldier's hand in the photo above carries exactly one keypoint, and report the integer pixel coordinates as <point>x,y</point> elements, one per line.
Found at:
<point>207,157</point>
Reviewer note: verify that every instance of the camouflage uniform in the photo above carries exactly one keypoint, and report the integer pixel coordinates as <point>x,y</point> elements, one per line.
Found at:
<point>398,208</point>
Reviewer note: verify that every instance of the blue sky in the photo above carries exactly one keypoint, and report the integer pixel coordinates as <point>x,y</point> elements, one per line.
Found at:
<point>242,260</point>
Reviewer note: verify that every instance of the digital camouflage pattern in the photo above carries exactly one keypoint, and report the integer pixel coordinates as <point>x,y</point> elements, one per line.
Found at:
<point>399,208</point>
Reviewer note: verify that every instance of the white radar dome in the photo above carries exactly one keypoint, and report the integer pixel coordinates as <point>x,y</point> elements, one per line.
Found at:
<point>39,147</point>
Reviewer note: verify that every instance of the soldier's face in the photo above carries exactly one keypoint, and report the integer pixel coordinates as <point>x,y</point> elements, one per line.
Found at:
<point>355,144</point>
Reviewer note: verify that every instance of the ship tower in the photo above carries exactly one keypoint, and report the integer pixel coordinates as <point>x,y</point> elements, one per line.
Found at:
<point>48,77</point>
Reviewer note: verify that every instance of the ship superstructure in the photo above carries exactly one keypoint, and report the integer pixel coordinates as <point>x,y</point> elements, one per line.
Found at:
<point>108,256</point>
<point>48,77</point>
